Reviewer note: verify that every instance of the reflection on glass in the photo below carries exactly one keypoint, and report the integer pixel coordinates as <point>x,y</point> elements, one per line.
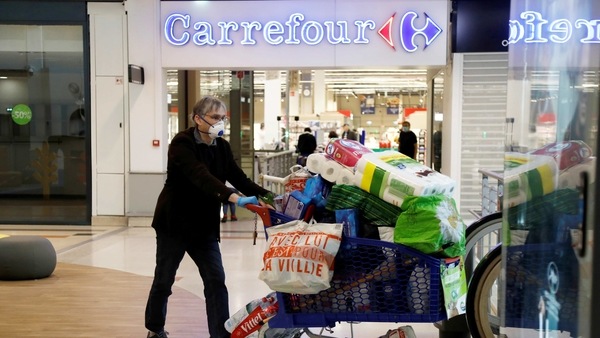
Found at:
<point>549,177</point>
<point>43,171</point>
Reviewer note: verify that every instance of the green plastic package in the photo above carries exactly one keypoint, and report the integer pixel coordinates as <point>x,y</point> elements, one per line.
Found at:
<point>432,225</point>
<point>375,211</point>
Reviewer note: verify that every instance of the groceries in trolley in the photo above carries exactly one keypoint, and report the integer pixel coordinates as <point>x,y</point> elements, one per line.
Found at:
<point>379,187</point>
<point>346,152</point>
<point>300,256</point>
<point>356,192</point>
<point>248,320</point>
<point>393,176</point>
<point>388,175</point>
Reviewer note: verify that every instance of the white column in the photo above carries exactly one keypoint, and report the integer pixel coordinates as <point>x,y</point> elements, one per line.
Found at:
<point>518,102</point>
<point>294,93</point>
<point>272,104</point>
<point>319,92</point>
<point>451,160</point>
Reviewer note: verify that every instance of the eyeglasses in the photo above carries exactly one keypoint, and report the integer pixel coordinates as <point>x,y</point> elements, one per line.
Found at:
<point>218,117</point>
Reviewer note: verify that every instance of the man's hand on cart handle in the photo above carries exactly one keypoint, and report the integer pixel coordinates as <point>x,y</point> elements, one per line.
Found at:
<point>242,201</point>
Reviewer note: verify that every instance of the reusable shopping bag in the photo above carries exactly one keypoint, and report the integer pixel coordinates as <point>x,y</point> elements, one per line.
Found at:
<point>297,179</point>
<point>432,225</point>
<point>299,256</point>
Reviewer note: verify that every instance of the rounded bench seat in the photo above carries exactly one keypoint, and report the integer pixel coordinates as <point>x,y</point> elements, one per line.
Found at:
<point>26,257</point>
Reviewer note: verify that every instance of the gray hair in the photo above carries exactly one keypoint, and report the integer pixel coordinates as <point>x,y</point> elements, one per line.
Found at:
<point>206,105</point>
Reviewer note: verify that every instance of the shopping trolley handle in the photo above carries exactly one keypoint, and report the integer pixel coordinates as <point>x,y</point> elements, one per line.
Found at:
<point>256,208</point>
<point>262,212</point>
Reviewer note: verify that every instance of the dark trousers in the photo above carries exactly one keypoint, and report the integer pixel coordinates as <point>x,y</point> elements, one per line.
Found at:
<point>207,256</point>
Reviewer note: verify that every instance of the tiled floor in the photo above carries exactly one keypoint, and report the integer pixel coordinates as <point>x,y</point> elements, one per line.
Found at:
<point>131,249</point>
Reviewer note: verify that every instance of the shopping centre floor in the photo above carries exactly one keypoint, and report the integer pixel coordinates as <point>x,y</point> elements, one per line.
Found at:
<point>110,270</point>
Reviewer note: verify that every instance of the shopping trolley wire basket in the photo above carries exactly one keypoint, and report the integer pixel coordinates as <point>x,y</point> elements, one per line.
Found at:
<point>374,281</point>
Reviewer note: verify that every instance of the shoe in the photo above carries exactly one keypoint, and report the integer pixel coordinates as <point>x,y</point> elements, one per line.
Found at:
<point>224,219</point>
<point>233,218</point>
<point>162,334</point>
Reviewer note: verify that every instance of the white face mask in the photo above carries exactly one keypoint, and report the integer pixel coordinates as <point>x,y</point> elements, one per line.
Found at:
<point>215,130</point>
<point>405,129</point>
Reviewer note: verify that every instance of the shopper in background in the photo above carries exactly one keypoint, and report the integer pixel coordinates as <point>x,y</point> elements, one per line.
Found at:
<point>407,142</point>
<point>229,206</point>
<point>349,134</point>
<point>307,144</point>
<point>333,134</point>
<point>187,214</point>
<point>260,138</point>
<point>281,145</point>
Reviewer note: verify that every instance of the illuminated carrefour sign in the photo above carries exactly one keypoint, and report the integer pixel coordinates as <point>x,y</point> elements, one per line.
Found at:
<point>180,29</point>
<point>533,27</point>
<point>298,33</point>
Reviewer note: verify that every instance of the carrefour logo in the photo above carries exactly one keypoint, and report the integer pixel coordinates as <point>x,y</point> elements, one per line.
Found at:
<point>533,27</point>
<point>414,31</point>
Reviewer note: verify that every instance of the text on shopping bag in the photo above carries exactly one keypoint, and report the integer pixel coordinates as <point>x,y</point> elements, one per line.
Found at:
<point>300,256</point>
<point>301,251</point>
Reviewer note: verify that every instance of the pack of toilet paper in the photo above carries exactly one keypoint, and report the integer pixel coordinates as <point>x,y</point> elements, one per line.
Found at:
<point>392,176</point>
<point>527,176</point>
<point>571,177</point>
<point>566,153</point>
<point>346,152</point>
<point>331,170</point>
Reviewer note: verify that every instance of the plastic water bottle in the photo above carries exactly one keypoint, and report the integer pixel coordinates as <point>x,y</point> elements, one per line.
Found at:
<point>241,314</point>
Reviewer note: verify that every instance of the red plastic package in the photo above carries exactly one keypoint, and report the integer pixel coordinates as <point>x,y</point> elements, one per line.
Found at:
<point>346,152</point>
<point>567,153</point>
<point>253,322</point>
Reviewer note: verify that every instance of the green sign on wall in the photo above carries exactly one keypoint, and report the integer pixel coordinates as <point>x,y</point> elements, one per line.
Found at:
<point>21,114</point>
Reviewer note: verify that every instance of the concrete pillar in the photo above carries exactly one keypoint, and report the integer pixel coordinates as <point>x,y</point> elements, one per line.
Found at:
<point>319,92</point>
<point>272,102</point>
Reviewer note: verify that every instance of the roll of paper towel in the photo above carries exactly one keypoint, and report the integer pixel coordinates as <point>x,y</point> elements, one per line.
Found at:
<point>393,196</point>
<point>330,170</point>
<point>345,176</point>
<point>400,175</point>
<point>527,176</point>
<point>314,162</point>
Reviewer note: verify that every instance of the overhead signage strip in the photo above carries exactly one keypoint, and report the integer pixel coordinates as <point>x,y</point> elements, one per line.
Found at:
<point>180,29</point>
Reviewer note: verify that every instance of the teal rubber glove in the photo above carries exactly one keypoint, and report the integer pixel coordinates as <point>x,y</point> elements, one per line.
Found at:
<point>242,201</point>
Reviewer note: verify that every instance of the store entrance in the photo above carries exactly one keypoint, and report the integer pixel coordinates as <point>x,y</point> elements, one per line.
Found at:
<point>270,109</point>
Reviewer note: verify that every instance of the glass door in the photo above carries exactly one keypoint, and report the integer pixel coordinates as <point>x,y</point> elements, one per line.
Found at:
<point>550,168</point>
<point>43,127</point>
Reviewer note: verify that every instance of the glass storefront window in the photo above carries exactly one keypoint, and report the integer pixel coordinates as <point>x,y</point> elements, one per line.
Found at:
<point>550,168</point>
<point>43,128</point>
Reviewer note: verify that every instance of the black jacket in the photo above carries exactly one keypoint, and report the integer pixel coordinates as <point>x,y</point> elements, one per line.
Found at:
<point>190,200</point>
<point>350,135</point>
<point>307,144</point>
